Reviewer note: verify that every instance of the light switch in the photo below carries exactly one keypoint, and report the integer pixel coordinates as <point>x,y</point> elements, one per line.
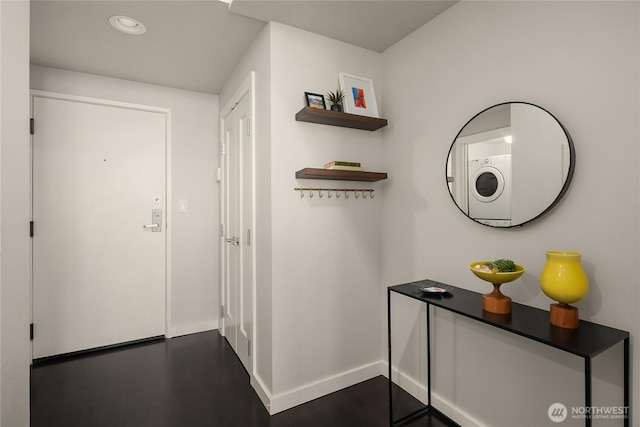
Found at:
<point>182,206</point>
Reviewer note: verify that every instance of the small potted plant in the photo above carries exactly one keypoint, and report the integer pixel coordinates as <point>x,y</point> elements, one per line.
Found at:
<point>336,99</point>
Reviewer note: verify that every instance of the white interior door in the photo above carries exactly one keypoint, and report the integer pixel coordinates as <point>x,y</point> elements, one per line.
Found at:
<point>238,284</point>
<point>232,230</point>
<point>99,177</point>
<point>245,289</point>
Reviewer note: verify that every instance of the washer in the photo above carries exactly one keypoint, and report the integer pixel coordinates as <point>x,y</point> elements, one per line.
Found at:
<point>490,190</point>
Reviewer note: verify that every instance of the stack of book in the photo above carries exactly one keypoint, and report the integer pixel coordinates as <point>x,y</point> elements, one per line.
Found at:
<point>344,166</point>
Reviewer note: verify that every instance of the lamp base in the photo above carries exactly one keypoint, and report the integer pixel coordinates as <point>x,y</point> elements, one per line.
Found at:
<point>496,302</point>
<point>564,316</point>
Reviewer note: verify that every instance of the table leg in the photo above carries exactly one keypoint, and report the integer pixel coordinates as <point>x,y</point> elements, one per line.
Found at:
<point>626,383</point>
<point>389,356</point>
<point>428,355</point>
<point>587,390</point>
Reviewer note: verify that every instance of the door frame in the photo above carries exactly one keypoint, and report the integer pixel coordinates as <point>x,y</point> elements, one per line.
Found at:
<point>168,180</point>
<point>246,88</point>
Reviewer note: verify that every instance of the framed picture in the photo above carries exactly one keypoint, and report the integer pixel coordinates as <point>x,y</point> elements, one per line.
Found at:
<point>315,100</point>
<point>359,95</point>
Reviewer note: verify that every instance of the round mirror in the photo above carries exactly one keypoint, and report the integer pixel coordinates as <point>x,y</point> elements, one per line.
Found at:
<point>510,164</point>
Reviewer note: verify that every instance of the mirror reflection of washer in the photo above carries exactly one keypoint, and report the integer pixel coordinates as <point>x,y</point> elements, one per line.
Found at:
<point>490,190</point>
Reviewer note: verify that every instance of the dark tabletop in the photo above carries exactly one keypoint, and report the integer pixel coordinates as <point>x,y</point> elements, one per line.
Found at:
<point>588,340</point>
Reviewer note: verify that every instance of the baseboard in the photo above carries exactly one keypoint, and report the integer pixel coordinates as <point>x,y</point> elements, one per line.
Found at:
<point>455,413</point>
<point>300,395</point>
<point>306,393</point>
<point>262,392</point>
<point>419,391</point>
<point>193,328</point>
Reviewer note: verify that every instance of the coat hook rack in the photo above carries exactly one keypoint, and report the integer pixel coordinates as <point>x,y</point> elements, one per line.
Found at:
<point>364,192</point>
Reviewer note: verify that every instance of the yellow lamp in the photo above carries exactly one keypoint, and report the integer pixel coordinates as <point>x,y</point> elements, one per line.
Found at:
<point>563,280</point>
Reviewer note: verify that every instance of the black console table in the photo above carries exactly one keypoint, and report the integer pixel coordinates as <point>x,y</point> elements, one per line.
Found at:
<point>589,340</point>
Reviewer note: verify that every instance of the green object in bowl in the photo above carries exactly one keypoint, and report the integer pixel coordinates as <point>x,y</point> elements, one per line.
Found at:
<point>495,276</point>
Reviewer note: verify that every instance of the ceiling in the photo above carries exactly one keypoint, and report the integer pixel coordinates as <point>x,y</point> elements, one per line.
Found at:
<point>195,45</point>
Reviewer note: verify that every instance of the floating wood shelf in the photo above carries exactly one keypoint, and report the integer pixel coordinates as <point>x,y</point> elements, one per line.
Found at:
<point>340,175</point>
<point>337,118</point>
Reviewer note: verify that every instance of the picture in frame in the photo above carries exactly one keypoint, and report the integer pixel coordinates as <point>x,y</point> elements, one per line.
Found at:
<point>315,100</point>
<point>359,97</point>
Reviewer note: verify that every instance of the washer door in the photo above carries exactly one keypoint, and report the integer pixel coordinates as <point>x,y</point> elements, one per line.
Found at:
<point>487,184</point>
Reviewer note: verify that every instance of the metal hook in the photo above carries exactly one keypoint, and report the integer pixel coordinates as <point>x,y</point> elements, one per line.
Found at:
<point>338,192</point>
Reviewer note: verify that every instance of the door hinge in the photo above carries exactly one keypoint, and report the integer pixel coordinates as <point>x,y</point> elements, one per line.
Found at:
<point>222,311</point>
<point>31,332</point>
<point>222,149</point>
<point>248,237</point>
<point>30,228</point>
<point>32,126</point>
<point>248,127</point>
<point>249,349</point>
<point>221,230</point>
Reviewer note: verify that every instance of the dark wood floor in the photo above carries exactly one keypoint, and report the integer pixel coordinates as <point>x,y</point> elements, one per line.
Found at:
<point>190,381</point>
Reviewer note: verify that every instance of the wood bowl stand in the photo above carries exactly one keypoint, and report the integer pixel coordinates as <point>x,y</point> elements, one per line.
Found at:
<point>496,302</point>
<point>564,316</point>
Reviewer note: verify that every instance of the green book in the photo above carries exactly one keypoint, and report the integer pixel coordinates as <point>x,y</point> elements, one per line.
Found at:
<point>342,163</point>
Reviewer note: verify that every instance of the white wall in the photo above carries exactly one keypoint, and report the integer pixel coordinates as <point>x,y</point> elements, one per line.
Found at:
<point>579,60</point>
<point>325,252</point>
<point>317,290</point>
<point>194,267</point>
<point>14,214</point>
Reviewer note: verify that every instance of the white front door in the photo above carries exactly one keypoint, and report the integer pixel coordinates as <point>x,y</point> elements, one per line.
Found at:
<point>238,217</point>
<point>99,185</point>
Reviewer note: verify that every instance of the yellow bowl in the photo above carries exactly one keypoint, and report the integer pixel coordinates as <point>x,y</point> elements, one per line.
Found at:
<point>497,277</point>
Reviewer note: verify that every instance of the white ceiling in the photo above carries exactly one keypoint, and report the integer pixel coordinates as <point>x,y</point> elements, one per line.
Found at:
<point>195,45</point>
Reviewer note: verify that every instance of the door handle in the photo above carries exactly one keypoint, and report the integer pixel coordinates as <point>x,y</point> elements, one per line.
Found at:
<point>156,218</point>
<point>234,241</point>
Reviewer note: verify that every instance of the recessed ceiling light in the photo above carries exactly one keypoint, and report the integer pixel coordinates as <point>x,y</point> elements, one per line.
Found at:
<point>128,25</point>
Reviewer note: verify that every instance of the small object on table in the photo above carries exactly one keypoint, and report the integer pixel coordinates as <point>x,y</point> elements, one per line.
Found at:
<point>433,287</point>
